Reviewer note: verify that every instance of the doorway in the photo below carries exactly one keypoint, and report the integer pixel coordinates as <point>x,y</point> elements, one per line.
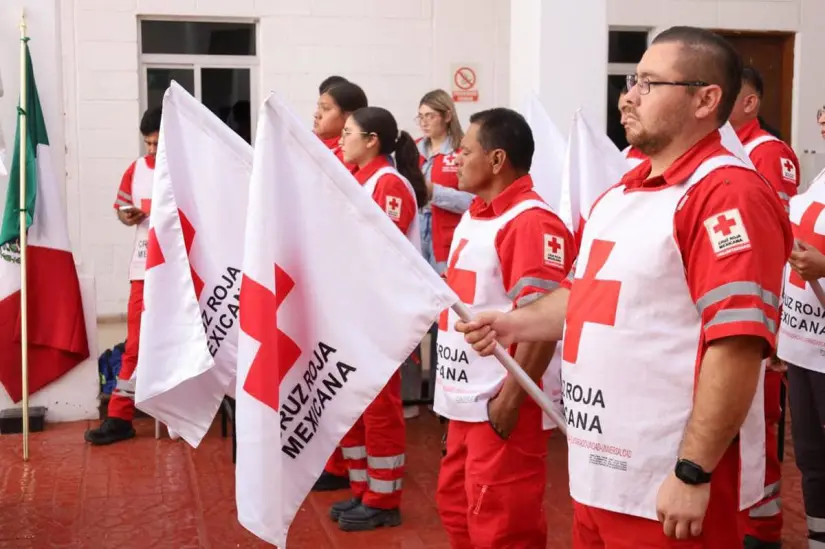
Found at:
<point>772,54</point>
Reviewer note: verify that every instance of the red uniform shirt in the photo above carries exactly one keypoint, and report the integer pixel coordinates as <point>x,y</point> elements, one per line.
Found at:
<point>390,187</point>
<point>633,152</point>
<point>774,159</point>
<point>444,172</point>
<point>334,144</point>
<point>124,192</point>
<point>722,286</point>
<point>521,243</point>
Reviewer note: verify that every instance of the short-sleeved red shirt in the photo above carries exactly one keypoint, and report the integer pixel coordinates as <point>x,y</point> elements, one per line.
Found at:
<point>391,193</point>
<point>124,192</point>
<point>773,159</point>
<point>712,280</point>
<point>522,243</point>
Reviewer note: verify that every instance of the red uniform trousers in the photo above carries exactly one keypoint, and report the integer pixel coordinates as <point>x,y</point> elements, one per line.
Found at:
<point>599,529</point>
<point>122,403</point>
<point>336,465</point>
<point>490,490</point>
<point>374,449</point>
<point>763,521</point>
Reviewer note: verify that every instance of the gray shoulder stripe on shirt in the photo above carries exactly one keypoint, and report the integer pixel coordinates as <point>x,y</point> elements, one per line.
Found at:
<point>540,283</point>
<point>729,316</point>
<point>733,289</point>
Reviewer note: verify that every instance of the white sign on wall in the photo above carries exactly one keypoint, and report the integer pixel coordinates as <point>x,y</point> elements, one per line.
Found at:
<point>464,82</point>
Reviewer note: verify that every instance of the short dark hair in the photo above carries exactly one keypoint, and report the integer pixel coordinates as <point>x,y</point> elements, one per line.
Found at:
<point>709,58</point>
<point>506,129</point>
<point>330,81</point>
<point>150,123</point>
<point>348,96</point>
<point>752,77</point>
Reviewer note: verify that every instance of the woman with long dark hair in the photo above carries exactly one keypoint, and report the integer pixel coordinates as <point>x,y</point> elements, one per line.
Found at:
<point>335,104</point>
<point>374,447</point>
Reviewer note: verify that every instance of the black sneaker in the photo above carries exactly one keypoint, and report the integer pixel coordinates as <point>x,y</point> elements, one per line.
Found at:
<point>328,482</point>
<point>112,430</point>
<point>753,543</point>
<point>342,507</point>
<point>362,518</point>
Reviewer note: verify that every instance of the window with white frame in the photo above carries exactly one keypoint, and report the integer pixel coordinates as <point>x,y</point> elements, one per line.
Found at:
<point>625,50</point>
<point>214,61</point>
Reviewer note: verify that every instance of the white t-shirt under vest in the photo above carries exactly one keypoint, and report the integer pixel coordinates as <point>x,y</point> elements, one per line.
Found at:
<point>466,381</point>
<point>142,180</point>
<point>802,332</point>
<point>629,391</point>
<point>414,231</point>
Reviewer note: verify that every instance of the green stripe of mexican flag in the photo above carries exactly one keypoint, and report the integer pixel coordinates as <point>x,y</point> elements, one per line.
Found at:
<point>57,330</point>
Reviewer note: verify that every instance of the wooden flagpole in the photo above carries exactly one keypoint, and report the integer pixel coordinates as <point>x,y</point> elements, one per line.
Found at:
<point>519,374</point>
<point>24,331</point>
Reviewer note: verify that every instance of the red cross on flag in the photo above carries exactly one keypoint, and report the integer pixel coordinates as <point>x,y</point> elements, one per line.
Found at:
<point>189,328</point>
<point>334,298</point>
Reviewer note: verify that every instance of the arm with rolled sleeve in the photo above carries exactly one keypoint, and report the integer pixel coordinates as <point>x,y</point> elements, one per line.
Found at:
<point>390,187</point>
<point>124,192</point>
<point>527,276</point>
<point>738,296</point>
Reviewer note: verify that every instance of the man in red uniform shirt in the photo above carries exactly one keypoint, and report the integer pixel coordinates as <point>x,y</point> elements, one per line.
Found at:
<point>776,161</point>
<point>510,250</point>
<point>772,157</point>
<point>715,239</point>
<point>132,205</point>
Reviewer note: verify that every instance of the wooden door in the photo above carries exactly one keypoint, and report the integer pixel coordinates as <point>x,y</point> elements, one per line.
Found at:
<point>772,54</point>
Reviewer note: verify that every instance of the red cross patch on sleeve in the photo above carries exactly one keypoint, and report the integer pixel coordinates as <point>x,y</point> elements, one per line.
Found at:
<point>788,169</point>
<point>727,233</point>
<point>554,250</point>
<point>393,207</point>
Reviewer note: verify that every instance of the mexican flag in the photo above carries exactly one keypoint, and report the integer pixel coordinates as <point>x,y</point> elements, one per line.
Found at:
<point>57,332</point>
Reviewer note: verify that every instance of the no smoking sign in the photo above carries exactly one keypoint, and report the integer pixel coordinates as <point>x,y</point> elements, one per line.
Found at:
<point>465,83</point>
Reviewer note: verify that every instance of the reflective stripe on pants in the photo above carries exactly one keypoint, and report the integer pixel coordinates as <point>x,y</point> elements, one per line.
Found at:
<point>122,403</point>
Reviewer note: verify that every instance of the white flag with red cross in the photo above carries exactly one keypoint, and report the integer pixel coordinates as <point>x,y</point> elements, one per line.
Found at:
<point>548,159</point>
<point>334,298</point>
<point>593,165</point>
<point>189,329</point>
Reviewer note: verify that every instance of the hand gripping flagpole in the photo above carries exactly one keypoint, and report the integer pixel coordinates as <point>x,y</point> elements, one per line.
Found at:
<point>24,331</point>
<point>815,285</point>
<point>518,374</point>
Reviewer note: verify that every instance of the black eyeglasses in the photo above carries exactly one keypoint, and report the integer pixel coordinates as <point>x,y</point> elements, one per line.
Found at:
<point>645,84</point>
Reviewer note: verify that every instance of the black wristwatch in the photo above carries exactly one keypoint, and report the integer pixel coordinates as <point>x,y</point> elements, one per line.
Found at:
<point>690,473</point>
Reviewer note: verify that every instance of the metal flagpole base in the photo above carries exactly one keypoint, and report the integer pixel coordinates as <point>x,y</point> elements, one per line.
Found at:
<point>521,377</point>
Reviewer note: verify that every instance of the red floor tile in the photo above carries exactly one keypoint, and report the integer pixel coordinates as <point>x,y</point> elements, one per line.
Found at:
<point>162,494</point>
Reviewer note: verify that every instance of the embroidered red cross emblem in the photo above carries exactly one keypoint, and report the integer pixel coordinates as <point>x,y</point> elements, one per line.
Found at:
<point>591,300</point>
<point>789,167</point>
<point>394,204</point>
<point>724,225</point>
<point>461,281</point>
<point>259,320</point>
<point>554,245</point>
<point>805,232</point>
<point>154,253</point>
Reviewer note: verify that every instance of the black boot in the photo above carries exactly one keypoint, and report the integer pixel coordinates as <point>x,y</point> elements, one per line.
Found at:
<point>112,430</point>
<point>753,543</point>
<point>363,517</point>
<point>328,482</point>
<point>342,507</point>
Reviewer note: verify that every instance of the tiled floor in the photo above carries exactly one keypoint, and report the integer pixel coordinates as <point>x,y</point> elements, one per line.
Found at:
<point>161,494</point>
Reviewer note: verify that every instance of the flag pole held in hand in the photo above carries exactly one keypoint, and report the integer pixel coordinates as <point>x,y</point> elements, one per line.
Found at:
<point>519,374</point>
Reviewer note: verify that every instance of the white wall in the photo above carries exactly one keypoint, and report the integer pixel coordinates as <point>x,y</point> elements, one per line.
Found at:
<point>804,17</point>
<point>395,49</point>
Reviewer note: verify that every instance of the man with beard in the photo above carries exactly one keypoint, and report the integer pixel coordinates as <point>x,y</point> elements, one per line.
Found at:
<point>671,309</point>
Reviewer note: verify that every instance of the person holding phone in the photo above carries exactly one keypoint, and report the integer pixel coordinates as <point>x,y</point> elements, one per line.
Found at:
<point>132,205</point>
